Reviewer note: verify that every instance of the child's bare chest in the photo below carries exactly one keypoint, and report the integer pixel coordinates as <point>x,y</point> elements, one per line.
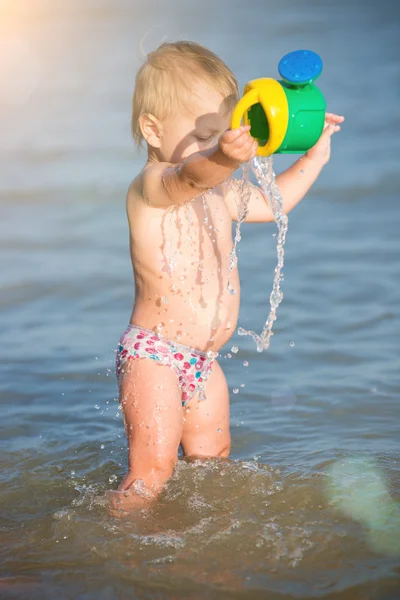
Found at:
<point>199,235</point>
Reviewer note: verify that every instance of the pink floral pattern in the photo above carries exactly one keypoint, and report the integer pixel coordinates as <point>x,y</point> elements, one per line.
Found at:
<point>190,366</point>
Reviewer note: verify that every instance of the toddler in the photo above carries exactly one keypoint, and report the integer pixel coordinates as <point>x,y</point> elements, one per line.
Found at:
<point>180,210</point>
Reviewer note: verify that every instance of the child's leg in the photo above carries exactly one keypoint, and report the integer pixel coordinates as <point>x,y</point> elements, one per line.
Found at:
<point>206,427</point>
<point>152,407</point>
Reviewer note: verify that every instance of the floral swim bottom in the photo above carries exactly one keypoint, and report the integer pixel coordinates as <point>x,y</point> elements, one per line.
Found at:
<point>191,366</point>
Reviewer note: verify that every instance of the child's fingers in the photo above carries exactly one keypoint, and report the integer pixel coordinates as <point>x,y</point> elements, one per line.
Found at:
<point>248,150</point>
<point>244,141</point>
<point>233,134</point>
<point>333,118</point>
<point>330,129</point>
<point>238,144</point>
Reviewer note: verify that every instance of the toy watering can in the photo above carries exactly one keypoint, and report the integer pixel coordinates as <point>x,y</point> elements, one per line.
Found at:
<point>286,117</point>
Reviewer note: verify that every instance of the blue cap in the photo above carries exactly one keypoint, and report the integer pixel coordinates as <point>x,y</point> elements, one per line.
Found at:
<point>300,67</point>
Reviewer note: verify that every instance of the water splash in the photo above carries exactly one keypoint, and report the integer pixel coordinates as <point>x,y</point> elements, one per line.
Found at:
<point>264,172</point>
<point>241,190</point>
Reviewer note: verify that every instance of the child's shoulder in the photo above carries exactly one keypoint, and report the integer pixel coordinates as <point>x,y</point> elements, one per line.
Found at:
<point>148,187</point>
<point>153,187</point>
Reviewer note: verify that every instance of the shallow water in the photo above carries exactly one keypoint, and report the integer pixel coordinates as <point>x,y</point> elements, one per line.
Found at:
<point>307,506</point>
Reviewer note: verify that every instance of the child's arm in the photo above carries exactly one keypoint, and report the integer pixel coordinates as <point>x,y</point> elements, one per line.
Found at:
<point>293,183</point>
<point>166,184</point>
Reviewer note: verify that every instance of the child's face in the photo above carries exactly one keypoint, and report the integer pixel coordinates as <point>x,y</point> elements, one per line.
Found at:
<point>196,126</point>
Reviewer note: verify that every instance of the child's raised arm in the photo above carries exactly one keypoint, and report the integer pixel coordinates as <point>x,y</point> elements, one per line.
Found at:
<point>293,183</point>
<point>165,184</point>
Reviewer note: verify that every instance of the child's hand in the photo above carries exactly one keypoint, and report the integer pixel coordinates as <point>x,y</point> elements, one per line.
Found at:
<point>238,145</point>
<point>321,151</point>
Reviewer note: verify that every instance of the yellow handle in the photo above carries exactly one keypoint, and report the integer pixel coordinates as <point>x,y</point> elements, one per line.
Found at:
<point>270,94</point>
<point>240,111</point>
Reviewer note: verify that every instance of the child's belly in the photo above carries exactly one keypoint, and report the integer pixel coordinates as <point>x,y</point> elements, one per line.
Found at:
<point>181,274</point>
<point>201,316</point>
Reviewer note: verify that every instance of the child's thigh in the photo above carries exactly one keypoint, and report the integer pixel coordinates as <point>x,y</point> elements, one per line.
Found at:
<point>206,425</point>
<point>152,407</point>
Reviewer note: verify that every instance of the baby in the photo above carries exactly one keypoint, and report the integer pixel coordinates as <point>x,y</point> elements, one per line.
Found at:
<point>180,210</point>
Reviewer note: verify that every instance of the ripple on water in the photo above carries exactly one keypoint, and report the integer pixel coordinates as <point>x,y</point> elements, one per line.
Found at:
<point>219,524</point>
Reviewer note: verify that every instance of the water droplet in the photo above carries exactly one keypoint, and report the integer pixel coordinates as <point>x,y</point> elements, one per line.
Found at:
<point>234,349</point>
<point>102,446</point>
<point>245,363</point>
<point>72,473</point>
<point>302,171</point>
<point>242,384</point>
<point>187,409</point>
<point>164,300</point>
<point>219,430</point>
<point>235,390</point>
<point>96,406</point>
<point>292,344</point>
<point>112,478</point>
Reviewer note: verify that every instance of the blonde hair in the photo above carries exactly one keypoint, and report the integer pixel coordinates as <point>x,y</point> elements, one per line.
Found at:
<point>168,74</point>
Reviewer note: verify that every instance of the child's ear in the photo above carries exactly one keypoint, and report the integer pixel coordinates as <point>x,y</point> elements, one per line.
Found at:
<point>151,129</point>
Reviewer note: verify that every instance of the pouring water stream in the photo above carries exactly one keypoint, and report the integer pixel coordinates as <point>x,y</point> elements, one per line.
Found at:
<point>264,172</point>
